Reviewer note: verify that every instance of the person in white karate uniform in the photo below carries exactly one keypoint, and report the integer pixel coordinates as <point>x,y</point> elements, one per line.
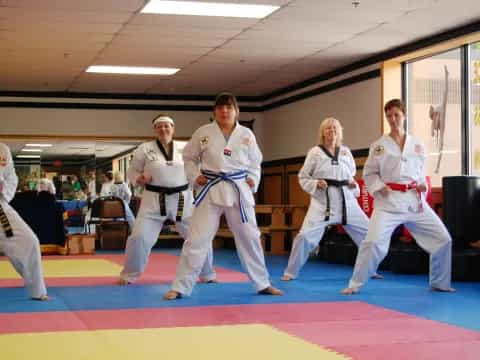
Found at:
<point>158,165</point>
<point>17,241</point>
<point>328,176</point>
<point>45,184</point>
<point>222,161</point>
<point>394,175</point>
<point>121,190</point>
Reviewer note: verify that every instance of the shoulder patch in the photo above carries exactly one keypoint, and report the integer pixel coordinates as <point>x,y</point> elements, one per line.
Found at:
<point>379,150</point>
<point>204,140</point>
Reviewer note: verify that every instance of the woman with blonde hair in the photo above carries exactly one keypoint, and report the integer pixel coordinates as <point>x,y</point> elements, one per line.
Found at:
<point>328,176</point>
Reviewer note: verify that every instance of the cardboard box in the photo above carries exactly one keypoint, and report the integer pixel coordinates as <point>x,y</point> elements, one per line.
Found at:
<point>80,244</point>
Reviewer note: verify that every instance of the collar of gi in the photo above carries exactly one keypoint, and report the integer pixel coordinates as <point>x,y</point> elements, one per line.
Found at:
<point>334,156</point>
<point>167,155</point>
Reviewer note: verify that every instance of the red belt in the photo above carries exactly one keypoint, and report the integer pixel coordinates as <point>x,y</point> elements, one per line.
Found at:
<point>402,187</point>
<point>405,188</point>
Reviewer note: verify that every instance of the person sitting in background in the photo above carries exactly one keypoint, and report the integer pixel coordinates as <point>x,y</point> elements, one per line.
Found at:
<point>77,186</point>
<point>121,190</point>
<point>45,184</point>
<point>67,189</point>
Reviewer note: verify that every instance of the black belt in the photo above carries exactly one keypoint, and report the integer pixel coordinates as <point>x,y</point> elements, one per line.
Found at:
<point>7,228</point>
<point>340,184</point>
<point>166,190</point>
<point>162,191</point>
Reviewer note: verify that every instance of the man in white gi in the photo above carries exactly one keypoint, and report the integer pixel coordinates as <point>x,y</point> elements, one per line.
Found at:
<point>158,165</point>
<point>328,176</point>
<point>92,186</point>
<point>106,189</point>
<point>394,175</point>
<point>17,241</point>
<point>222,161</point>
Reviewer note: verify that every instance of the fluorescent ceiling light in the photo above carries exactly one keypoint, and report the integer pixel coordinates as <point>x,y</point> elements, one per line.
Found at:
<point>39,145</point>
<point>134,70</point>
<point>28,156</point>
<point>32,150</point>
<point>208,9</point>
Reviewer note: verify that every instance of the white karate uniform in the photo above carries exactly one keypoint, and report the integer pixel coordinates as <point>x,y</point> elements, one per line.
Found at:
<point>208,150</point>
<point>23,248</point>
<point>106,189</point>
<point>122,191</point>
<point>320,165</point>
<point>149,161</point>
<point>45,184</point>
<point>386,163</point>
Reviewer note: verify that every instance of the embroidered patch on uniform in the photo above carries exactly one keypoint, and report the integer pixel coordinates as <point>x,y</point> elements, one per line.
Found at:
<point>204,140</point>
<point>379,150</point>
<point>343,153</point>
<point>418,149</point>
<point>3,161</point>
<point>227,152</point>
<point>246,141</point>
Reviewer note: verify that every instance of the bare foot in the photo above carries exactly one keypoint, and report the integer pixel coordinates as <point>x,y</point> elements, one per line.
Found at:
<point>43,297</point>
<point>450,290</point>
<point>475,244</point>
<point>271,291</point>
<point>123,282</point>
<point>172,295</point>
<point>286,278</point>
<point>350,291</point>
<point>377,276</point>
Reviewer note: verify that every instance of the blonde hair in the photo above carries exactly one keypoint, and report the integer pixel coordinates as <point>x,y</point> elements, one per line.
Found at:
<point>118,177</point>
<point>327,122</point>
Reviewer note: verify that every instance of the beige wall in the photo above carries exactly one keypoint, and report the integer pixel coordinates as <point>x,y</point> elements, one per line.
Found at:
<point>284,132</point>
<point>291,130</point>
<point>87,122</point>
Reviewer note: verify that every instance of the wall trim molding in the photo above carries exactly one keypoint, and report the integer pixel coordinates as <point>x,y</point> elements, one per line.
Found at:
<point>184,107</point>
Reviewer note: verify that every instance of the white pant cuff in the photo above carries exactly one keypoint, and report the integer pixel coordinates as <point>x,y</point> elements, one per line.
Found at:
<point>262,286</point>
<point>181,290</point>
<point>209,277</point>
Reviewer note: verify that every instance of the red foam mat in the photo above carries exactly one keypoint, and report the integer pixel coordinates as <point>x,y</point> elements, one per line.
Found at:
<point>160,270</point>
<point>355,329</point>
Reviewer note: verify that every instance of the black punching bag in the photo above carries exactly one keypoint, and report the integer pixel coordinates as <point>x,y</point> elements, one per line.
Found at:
<point>461,208</point>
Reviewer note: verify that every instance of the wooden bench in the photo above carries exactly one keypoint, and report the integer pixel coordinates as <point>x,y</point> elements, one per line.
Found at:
<point>275,234</point>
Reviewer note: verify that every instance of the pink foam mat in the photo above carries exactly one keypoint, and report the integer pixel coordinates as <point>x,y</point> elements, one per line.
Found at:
<point>160,270</point>
<point>355,329</point>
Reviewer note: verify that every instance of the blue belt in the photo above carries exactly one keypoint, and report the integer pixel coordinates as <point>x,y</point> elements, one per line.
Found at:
<point>215,178</point>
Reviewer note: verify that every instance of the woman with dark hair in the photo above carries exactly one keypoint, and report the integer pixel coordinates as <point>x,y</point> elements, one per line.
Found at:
<point>394,175</point>
<point>222,161</point>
